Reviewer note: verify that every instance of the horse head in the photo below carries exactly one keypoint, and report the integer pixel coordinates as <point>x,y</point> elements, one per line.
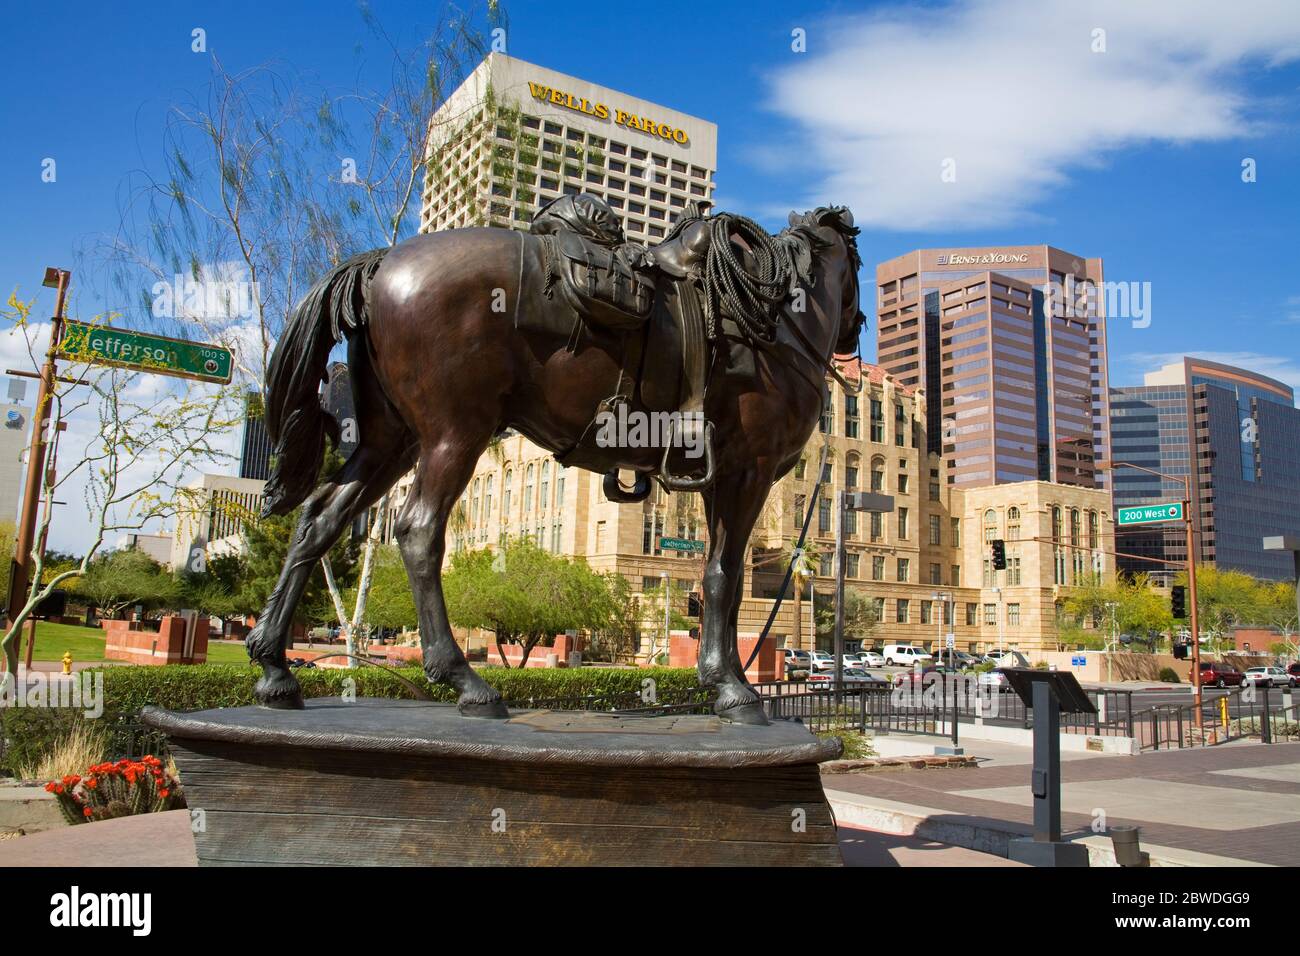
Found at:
<point>832,228</point>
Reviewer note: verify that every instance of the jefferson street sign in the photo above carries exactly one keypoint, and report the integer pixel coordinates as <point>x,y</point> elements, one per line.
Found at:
<point>1147,514</point>
<point>102,345</point>
<point>681,544</point>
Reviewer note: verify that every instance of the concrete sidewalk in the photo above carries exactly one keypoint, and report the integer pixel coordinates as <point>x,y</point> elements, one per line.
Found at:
<point>1230,805</point>
<point>149,839</point>
<point>863,847</point>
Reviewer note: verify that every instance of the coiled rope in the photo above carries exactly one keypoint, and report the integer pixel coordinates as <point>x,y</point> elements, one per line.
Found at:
<point>753,299</point>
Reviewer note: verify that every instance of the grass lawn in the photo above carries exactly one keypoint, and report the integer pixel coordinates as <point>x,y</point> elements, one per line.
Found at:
<point>87,644</point>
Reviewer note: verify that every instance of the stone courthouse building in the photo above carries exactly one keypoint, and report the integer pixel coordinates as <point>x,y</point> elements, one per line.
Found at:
<point>934,543</point>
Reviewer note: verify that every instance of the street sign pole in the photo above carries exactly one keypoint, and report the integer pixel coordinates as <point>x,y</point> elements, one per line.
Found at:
<point>1196,634</point>
<point>20,575</point>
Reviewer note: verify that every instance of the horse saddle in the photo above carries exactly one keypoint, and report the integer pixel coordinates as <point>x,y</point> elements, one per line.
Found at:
<point>649,299</point>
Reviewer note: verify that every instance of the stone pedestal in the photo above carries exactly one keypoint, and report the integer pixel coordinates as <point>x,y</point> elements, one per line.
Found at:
<point>409,782</point>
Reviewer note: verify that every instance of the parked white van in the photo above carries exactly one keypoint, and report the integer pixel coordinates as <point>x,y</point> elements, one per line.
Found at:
<point>906,655</point>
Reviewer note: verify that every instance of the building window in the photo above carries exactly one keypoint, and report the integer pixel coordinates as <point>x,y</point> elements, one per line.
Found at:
<point>1013,523</point>
<point>877,526</point>
<point>851,472</point>
<point>970,614</point>
<point>900,424</point>
<point>989,580</point>
<point>956,575</point>
<point>528,489</point>
<point>901,609</point>
<point>828,415</point>
<point>934,491</point>
<point>903,484</point>
<point>990,525</point>
<point>824,516</point>
<point>956,532</point>
<point>800,502</point>
<point>506,492</point>
<point>926,611</point>
<point>544,487</point>
<point>1013,570</point>
<point>1013,615</point>
<point>877,421</point>
<point>825,565</point>
<point>851,421</point>
<point>878,474</point>
<point>902,524</point>
<point>1058,555</point>
<point>936,530</point>
<point>991,615</point>
<point>877,567</point>
<point>936,573</point>
<point>851,568</point>
<point>904,569</point>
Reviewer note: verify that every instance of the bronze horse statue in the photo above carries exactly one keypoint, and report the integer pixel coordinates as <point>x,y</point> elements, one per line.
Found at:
<point>444,354</point>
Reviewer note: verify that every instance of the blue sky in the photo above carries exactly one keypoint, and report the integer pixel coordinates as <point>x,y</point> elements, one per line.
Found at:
<point>1133,153</point>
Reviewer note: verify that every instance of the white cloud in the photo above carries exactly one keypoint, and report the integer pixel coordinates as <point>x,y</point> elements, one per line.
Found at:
<point>1011,91</point>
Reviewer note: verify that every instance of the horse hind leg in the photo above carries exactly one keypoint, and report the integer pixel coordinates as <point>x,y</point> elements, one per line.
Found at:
<point>370,471</point>
<point>421,535</point>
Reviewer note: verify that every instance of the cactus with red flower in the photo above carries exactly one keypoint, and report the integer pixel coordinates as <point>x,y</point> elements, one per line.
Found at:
<point>120,789</point>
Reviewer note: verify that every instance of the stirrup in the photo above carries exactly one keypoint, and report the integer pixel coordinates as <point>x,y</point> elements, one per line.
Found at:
<point>681,482</point>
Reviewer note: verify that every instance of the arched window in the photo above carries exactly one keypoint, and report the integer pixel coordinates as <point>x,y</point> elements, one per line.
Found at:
<point>878,474</point>
<point>487,498</point>
<point>1094,531</point>
<point>506,491</point>
<point>528,489</point>
<point>990,525</point>
<point>559,487</point>
<point>1013,523</point>
<point>1058,557</point>
<point>473,502</point>
<point>544,487</point>
<point>851,465</point>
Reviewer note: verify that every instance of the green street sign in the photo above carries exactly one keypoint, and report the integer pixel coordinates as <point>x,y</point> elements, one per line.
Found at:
<point>101,345</point>
<point>1148,514</point>
<point>681,544</point>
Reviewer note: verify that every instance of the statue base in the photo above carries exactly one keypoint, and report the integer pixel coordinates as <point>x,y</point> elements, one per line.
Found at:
<point>383,782</point>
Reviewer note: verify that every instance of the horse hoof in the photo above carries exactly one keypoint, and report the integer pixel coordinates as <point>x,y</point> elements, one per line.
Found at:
<point>751,714</point>
<point>484,709</point>
<point>279,693</point>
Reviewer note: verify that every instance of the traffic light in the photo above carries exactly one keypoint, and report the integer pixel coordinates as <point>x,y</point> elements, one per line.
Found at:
<point>1178,600</point>
<point>693,604</point>
<point>1180,651</point>
<point>999,555</point>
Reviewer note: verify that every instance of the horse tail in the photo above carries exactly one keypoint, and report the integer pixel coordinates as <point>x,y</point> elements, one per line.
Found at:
<point>296,422</point>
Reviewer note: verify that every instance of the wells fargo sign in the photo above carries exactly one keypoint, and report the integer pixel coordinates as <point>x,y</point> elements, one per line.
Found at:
<point>644,124</point>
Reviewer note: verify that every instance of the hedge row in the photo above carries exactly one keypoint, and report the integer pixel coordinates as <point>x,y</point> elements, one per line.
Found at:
<point>31,732</point>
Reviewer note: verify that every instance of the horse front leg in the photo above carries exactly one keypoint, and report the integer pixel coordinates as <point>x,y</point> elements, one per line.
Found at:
<point>732,506</point>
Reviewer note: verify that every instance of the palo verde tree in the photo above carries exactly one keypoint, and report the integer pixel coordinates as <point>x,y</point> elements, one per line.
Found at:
<point>525,595</point>
<point>131,441</point>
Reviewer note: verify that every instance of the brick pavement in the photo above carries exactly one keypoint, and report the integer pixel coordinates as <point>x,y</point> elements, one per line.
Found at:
<point>1146,780</point>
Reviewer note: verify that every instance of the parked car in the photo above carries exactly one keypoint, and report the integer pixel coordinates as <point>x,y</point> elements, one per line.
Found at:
<point>873,659</point>
<point>961,660</point>
<point>797,658</point>
<point>906,655</point>
<point>822,661</point>
<point>1294,670</point>
<point>1217,674</point>
<point>1268,677</point>
<point>995,678</point>
<point>856,675</point>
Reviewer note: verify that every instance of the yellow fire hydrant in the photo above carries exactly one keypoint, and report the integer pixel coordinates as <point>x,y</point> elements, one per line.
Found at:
<point>67,662</point>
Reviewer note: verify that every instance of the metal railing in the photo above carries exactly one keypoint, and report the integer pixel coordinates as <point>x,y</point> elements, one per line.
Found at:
<point>1242,712</point>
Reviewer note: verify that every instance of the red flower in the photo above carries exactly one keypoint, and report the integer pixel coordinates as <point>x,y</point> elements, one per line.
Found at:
<point>88,812</point>
<point>164,793</point>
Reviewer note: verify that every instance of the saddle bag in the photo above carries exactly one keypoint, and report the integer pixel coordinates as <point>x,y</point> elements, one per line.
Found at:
<point>600,282</point>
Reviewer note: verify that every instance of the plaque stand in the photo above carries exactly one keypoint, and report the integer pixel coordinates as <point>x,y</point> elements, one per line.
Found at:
<point>383,782</point>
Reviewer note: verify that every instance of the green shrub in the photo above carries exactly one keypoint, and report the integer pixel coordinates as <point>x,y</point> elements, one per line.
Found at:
<point>1169,676</point>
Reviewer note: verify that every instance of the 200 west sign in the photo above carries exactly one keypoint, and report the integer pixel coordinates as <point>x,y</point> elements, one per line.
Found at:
<point>578,104</point>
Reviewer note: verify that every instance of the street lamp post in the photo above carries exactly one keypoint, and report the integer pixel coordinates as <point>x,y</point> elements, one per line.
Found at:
<point>1185,481</point>
<point>849,501</point>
